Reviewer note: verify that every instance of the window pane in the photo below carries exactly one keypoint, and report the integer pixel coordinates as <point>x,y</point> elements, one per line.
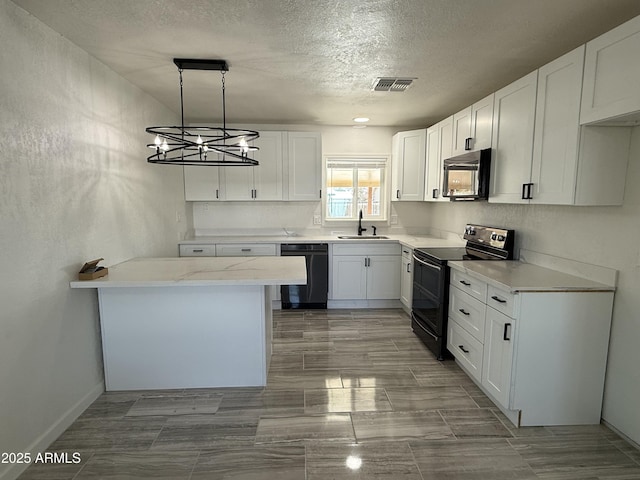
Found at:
<point>340,193</point>
<point>369,191</point>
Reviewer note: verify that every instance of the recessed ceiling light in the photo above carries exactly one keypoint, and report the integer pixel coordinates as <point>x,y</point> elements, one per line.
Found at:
<point>361,119</point>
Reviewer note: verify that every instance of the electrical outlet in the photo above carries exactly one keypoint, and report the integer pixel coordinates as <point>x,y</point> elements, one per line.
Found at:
<point>394,219</point>
<point>317,220</point>
<point>178,216</point>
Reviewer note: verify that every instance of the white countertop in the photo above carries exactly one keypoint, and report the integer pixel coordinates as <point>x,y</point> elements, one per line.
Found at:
<point>516,276</point>
<point>411,241</point>
<point>202,271</point>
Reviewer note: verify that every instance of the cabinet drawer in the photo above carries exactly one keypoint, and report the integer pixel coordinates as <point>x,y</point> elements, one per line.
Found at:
<point>198,250</point>
<point>470,285</point>
<point>467,350</point>
<point>365,248</point>
<point>246,250</point>
<point>469,312</point>
<point>501,300</point>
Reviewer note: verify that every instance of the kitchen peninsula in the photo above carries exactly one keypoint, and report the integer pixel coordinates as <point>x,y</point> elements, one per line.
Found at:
<point>171,323</point>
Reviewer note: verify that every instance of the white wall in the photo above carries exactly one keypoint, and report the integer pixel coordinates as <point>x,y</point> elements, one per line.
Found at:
<point>606,236</point>
<point>74,185</point>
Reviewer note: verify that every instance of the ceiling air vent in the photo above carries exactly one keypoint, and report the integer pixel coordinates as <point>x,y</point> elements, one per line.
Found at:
<point>391,84</point>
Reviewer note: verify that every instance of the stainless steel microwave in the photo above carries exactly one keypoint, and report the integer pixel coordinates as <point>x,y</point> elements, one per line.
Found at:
<point>466,177</point>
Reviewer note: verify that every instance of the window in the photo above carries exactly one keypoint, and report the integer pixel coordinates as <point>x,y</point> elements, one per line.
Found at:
<point>354,184</point>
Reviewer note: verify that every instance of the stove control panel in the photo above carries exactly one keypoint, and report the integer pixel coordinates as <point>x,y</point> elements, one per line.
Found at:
<point>492,236</point>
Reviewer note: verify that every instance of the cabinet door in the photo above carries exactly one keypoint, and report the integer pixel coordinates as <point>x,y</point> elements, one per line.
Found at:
<point>304,165</point>
<point>461,131</point>
<point>482,123</point>
<point>498,355</point>
<point>433,168</point>
<point>349,277</point>
<point>410,164</point>
<point>513,124</point>
<point>383,277</point>
<point>202,183</point>
<point>557,133</point>
<point>267,176</point>
<point>445,132</point>
<point>406,277</point>
<point>612,74</point>
<point>237,183</point>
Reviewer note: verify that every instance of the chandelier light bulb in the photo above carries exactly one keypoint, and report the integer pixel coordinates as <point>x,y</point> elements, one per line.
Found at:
<point>244,146</point>
<point>165,146</point>
<point>199,140</point>
<point>157,141</point>
<point>205,147</point>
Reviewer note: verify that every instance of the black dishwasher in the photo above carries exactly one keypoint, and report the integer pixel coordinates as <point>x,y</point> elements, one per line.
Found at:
<point>314,293</point>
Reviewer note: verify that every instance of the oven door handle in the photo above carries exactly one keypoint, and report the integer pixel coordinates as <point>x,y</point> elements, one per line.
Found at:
<point>435,267</point>
<point>435,337</point>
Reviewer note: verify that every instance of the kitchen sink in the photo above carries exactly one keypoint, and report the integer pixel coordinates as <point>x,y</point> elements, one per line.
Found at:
<point>357,237</point>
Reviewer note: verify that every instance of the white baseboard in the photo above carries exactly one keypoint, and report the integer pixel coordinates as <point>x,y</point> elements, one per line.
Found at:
<point>54,431</point>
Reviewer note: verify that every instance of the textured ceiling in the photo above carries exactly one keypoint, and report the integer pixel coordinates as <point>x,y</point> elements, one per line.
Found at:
<point>314,61</point>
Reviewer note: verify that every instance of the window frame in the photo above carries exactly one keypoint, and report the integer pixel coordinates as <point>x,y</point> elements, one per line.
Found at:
<point>383,161</point>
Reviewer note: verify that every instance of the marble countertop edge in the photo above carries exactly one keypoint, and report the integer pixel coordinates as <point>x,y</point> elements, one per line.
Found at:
<point>201,271</point>
<point>519,277</point>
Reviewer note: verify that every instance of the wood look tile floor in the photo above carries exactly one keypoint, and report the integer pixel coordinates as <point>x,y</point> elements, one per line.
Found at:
<point>350,394</point>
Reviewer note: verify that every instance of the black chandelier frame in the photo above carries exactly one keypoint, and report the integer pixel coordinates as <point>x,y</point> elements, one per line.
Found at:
<point>200,145</point>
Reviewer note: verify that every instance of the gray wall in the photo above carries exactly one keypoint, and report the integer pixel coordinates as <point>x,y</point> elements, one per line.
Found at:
<point>74,185</point>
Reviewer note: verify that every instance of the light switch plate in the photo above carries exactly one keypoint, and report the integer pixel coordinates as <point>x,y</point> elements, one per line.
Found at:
<point>394,219</point>
<point>317,220</point>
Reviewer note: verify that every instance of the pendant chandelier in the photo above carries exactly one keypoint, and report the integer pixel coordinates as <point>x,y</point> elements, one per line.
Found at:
<point>214,146</point>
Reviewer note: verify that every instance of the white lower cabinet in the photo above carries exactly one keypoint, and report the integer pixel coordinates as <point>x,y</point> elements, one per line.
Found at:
<point>246,249</point>
<point>540,356</point>
<point>365,271</point>
<point>205,250</point>
<point>497,355</point>
<point>467,350</point>
<point>406,278</point>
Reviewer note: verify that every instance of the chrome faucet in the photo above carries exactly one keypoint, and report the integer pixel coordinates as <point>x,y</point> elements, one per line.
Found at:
<point>360,229</point>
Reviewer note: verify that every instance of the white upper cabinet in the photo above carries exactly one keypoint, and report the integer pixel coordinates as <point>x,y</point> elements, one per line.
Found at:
<point>570,165</point>
<point>289,169</point>
<point>557,133</point>
<point>304,166</point>
<point>202,183</point>
<point>513,125</point>
<point>472,127</point>
<point>237,183</point>
<point>267,177</point>
<point>408,164</point>
<point>462,132</point>
<point>611,90</point>
<point>439,142</point>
